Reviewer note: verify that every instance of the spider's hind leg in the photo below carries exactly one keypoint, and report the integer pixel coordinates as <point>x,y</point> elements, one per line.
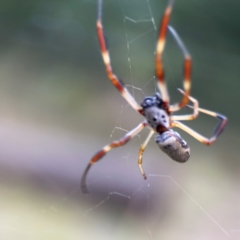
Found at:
<point>199,137</point>
<point>192,116</point>
<point>122,141</point>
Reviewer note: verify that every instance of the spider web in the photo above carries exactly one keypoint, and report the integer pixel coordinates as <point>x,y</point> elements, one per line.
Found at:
<point>175,202</point>
<point>124,189</point>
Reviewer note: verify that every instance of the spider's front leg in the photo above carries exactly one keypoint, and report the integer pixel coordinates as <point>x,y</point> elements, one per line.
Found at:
<point>173,145</point>
<point>159,63</point>
<point>107,61</point>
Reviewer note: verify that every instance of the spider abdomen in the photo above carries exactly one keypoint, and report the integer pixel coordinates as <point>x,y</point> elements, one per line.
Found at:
<point>173,145</point>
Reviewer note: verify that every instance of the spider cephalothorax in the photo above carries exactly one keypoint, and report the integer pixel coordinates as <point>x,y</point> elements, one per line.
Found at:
<point>155,114</point>
<point>157,109</point>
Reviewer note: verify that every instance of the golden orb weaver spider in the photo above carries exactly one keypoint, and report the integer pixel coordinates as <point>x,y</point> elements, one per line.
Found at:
<point>156,109</point>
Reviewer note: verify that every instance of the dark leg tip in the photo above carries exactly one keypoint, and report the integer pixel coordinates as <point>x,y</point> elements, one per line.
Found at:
<point>84,190</point>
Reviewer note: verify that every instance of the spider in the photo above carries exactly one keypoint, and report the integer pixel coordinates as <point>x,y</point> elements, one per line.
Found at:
<point>156,109</point>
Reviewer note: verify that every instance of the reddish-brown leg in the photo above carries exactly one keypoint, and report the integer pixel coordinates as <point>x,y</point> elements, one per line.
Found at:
<point>122,141</point>
<point>160,47</point>
<point>188,116</point>
<point>187,72</point>
<point>106,58</point>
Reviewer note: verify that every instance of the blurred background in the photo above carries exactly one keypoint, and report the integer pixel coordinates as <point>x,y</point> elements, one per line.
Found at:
<point>57,108</point>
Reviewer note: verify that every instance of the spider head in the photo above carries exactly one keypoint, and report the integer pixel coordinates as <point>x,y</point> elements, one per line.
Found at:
<point>154,112</point>
<point>152,101</point>
<point>173,145</point>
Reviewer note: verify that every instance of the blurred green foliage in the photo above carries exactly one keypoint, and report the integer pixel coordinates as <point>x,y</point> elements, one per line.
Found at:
<point>51,47</point>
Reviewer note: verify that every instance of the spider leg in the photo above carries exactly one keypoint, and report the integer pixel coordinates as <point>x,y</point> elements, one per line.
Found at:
<point>141,150</point>
<point>107,148</point>
<point>199,137</point>
<point>160,47</point>
<point>189,116</point>
<point>106,58</point>
<point>187,72</point>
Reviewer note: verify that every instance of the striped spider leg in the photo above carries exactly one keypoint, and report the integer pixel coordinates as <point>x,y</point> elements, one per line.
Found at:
<point>159,64</point>
<point>122,141</point>
<point>199,137</point>
<point>106,59</point>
